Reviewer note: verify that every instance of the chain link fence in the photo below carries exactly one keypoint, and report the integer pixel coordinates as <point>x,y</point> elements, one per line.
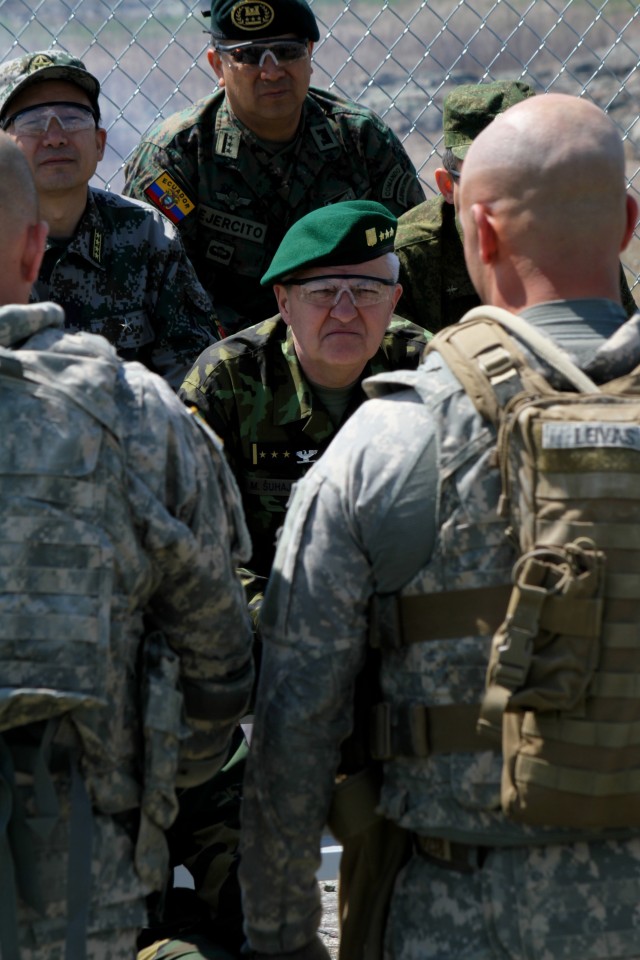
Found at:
<point>399,57</point>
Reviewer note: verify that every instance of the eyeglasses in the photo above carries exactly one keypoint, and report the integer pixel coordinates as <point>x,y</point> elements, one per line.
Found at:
<point>254,54</point>
<point>326,291</point>
<point>34,121</point>
<point>455,175</point>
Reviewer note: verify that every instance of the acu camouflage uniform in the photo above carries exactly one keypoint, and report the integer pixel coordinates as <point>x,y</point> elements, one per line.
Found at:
<point>168,531</point>
<point>252,391</point>
<point>405,502</point>
<point>124,274</point>
<point>233,199</point>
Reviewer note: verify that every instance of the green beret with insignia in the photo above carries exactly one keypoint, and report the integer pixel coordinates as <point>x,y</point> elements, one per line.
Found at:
<point>32,68</point>
<point>257,19</point>
<point>335,235</point>
<point>471,107</point>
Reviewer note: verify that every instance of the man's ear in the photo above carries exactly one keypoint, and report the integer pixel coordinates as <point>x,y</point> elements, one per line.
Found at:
<point>282,296</point>
<point>632,219</point>
<point>487,238</point>
<point>215,62</point>
<point>33,250</point>
<point>101,141</point>
<point>444,182</point>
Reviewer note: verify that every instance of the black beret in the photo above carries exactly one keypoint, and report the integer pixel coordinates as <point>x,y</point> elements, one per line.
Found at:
<point>256,19</point>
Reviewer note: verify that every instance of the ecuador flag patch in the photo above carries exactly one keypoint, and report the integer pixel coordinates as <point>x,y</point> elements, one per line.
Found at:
<point>169,197</point>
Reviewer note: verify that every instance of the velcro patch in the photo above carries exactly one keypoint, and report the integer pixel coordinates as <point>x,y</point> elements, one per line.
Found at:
<point>170,198</point>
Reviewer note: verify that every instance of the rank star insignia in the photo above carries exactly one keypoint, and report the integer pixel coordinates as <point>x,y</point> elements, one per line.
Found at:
<point>233,200</point>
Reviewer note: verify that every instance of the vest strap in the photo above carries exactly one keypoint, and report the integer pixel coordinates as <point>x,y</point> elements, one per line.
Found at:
<point>456,613</point>
<point>419,731</point>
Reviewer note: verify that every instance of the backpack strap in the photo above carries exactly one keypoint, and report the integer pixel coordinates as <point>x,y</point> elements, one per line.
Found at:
<point>483,355</point>
<point>543,346</point>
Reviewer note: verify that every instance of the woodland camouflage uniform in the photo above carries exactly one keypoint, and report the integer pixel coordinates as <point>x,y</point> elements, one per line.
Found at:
<point>233,200</point>
<point>252,391</point>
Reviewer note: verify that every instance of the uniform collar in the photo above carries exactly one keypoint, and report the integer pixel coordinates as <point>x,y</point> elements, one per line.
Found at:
<point>19,322</point>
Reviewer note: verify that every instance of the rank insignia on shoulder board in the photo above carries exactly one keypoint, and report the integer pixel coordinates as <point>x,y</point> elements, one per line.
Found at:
<point>171,199</point>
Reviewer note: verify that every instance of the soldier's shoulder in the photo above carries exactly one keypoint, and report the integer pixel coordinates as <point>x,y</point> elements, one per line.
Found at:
<point>340,107</point>
<point>401,328</point>
<point>246,347</point>
<point>201,113</point>
<point>421,224</point>
<point>126,216</point>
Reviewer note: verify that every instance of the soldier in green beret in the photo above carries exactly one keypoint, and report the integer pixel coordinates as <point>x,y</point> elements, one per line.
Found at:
<point>239,167</point>
<point>117,267</point>
<point>436,288</point>
<point>276,393</point>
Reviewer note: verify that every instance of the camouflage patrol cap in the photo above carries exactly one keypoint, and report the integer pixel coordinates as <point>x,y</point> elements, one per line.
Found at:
<point>257,19</point>
<point>472,106</point>
<point>338,234</point>
<point>31,68</point>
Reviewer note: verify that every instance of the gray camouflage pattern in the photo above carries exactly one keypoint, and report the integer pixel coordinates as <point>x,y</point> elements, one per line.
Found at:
<point>173,520</point>
<point>233,200</point>
<point>126,276</point>
<point>363,522</point>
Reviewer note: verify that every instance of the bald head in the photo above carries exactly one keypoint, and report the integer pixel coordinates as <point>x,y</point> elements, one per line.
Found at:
<point>543,203</point>
<point>18,197</point>
<point>21,235</point>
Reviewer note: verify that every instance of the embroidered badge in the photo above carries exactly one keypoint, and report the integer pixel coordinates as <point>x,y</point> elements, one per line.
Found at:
<point>249,15</point>
<point>228,143</point>
<point>96,244</point>
<point>373,238</point>
<point>40,61</point>
<point>170,198</point>
<point>324,136</point>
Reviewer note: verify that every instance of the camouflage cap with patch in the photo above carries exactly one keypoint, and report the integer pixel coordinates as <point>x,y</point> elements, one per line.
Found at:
<point>31,68</point>
<point>472,106</point>
<point>257,19</point>
<point>336,235</point>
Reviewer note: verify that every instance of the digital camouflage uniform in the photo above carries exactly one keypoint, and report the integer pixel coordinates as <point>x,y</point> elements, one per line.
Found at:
<point>404,501</point>
<point>233,199</point>
<point>138,529</point>
<point>124,274</point>
<point>252,391</point>
<point>436,287</point>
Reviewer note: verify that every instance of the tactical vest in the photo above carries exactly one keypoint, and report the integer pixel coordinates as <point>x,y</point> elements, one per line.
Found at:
<point>563,677</point>
<point>69,644</point>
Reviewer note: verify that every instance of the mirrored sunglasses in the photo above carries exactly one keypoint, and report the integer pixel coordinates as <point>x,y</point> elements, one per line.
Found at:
<point>326,291</point>
<point>34,121</point>
<point>255,54</point>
